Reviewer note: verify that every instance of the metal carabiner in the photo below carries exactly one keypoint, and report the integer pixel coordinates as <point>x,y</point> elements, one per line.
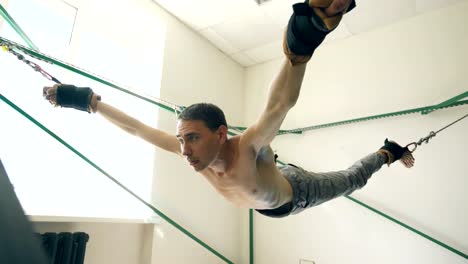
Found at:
<point>422,140</point>
<point>415,146</point>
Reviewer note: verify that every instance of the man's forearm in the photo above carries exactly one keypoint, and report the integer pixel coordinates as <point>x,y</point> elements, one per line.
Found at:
<point>283,94</point>
<point>285,87</point>
<point>118,117</point>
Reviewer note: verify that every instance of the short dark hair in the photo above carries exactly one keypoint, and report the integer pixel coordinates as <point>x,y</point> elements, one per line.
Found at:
<point>210,114</point>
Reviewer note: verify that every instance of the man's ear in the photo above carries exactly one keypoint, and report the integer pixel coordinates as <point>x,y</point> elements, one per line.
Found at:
<point>222,132</point>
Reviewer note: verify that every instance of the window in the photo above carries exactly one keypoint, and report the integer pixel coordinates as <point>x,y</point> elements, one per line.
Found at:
<point>48,178</point>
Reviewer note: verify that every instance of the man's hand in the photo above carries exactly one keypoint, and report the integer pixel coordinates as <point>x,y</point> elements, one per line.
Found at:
<point>337,7</point>
<point>49,93</point>
<point>67,95</point>
<point>407,159</point>
<point>394,152</point>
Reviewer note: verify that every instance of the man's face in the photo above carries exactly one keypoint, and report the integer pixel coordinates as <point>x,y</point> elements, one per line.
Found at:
<point>199,145</point>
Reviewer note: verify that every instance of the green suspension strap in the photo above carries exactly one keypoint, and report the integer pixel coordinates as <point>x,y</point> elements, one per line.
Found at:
<point>455,101</point>
<point>158,212</point>
<point>16,27</point>
<point>446,103</point>
<point>414,230</point>
<point>16,49</point>
<point>423,110</point>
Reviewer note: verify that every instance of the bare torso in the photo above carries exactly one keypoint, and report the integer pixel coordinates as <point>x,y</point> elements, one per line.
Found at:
<point>251,179</point>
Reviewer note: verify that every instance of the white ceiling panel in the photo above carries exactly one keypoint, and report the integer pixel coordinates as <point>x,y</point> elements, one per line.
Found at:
<point>249,31</point>
<point>340,32</point>
<point>428,5</point>
<point>252,34</point>
<point>371,14</point>
<point>204,13</point>
<point>224,45</point>
<point>270,51</point>
<point>279,10</point>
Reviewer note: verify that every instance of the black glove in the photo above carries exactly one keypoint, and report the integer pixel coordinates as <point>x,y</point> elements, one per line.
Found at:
<point>81,98</point>
<point>74,97</point>
<point>393,151</point>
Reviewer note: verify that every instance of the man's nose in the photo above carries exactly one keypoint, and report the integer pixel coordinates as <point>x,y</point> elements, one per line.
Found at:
<point>186,150</point>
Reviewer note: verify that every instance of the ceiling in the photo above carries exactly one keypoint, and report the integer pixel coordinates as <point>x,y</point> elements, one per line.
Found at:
<point>250,33</point>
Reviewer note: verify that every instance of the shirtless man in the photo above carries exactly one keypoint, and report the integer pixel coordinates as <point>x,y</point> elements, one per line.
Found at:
<point>242,168</point>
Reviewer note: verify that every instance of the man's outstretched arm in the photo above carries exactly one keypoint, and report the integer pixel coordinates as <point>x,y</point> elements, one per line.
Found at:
<point>304,33</point>
<point>86,100</point>
<point>283,95</point>
<point>135,127</point>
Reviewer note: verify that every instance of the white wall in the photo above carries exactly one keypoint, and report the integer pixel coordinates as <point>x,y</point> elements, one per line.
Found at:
<point>194,72</point>
<point>418,62</point>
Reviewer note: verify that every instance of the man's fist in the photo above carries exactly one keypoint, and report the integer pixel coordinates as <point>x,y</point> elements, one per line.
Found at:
<point>81,98</point>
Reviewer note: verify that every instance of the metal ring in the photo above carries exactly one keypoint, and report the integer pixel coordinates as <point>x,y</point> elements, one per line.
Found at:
<point>415,147</point>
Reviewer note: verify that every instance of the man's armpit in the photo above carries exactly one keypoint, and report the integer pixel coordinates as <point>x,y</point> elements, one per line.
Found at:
<point>265,154</point>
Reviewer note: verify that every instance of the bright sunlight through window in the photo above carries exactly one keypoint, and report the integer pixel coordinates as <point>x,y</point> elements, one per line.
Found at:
<point>48,178</point>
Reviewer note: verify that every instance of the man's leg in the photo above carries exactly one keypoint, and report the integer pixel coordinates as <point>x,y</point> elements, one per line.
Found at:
<point>330,185</point>
<point>311,189</point>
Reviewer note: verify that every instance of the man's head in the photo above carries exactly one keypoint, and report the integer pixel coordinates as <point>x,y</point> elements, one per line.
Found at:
<point>201,130</point>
